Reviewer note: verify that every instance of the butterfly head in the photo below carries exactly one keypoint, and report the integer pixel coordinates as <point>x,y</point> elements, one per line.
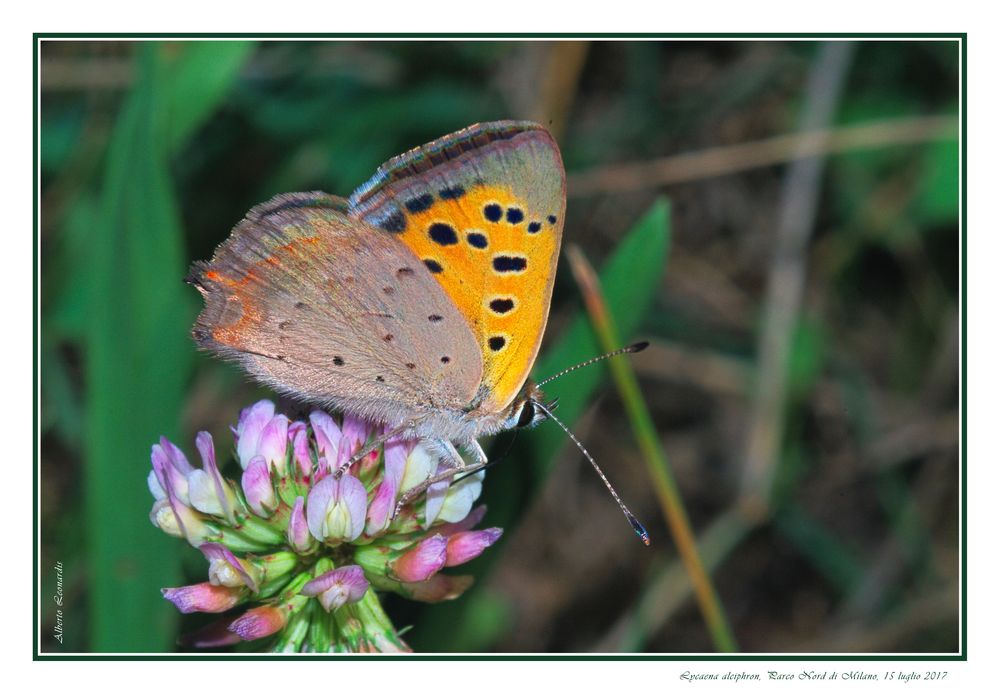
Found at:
<point>527,410</point>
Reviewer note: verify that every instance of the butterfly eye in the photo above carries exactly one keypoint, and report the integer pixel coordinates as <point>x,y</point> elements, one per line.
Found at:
<point>527,415</point>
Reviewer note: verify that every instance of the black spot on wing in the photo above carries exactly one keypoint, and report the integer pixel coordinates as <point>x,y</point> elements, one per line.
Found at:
<point>476,240</point>
<point>534,227</point>
<point>433,265</point>
<point>338,361</point>
<point>501,306</point>
<point>493,212</point>
<point>395,222</point>
<point>497,342</point>
<point>515,215</point>
<point>420,203</point>
<point>443,234</point>
<point>509,263</point>
<point>434,318</point>
<point>452,193</point>
<point>552,219</point>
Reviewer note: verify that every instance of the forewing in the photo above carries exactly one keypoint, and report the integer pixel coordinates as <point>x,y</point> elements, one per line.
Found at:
<point>322,307</point>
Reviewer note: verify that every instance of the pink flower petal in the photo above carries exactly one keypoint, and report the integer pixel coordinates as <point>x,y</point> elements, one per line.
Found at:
<point>206,449</point>
<point>355,433</point>
<point>252,422</point>
<point>298,529</point>
<point>168,474</point>
<point>384,502</point>
<point>338,587</point>
<point>273,445</point>
<point>354,496</point>
<point>176,456</point>
<point>421,562</point>
<point>258,623</point>
<point>327,433</point>
<point>343,502</point>
<point>189,522</point>
<point>467,545</point>
<point>300,448</point>
<point>258,487</point>
<point>220,554</point>
<point>204,597</point>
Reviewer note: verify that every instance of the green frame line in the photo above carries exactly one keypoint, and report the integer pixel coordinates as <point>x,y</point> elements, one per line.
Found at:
<point>37,654</point>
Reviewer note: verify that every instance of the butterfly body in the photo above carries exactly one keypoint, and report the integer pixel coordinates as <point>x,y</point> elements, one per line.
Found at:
<point>419,303</point>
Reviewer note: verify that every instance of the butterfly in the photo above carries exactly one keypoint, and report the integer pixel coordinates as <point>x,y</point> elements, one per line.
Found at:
<point>419,302</point>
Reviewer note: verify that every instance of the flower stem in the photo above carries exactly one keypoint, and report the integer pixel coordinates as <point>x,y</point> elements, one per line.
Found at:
<point>656,460</point>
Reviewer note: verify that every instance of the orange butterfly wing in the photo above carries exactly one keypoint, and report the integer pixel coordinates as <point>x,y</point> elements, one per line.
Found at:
<point>483,209</point>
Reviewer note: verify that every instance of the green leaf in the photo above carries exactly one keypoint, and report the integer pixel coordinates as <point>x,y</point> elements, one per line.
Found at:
<point>631,280</point>
<point>199,80</point>
<point>138,358</point>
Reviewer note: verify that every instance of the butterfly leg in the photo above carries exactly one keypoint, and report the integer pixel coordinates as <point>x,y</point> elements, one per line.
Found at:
<point>431,481</point>
<point>365,450</point>
<point>456,465</point>
<point>477,452</point>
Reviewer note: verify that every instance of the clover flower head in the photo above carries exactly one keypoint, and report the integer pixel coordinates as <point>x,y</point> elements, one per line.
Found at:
<point>302,541</point>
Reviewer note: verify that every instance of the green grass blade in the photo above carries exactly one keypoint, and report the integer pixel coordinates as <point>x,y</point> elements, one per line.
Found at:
<point>138,357</point>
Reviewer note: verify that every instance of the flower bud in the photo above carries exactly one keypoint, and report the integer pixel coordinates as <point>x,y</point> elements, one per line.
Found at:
<point>328,437</point>
<point>170,467</point>
<point>163,517</point>
<point>466,546</point>
<point>354,434</point>
<point>298,528</point>
<point>204,597</point>
<point>384,503</point>
<point>273,446</point>
<point>421,562</point>
<point>258,623</point>
<point>251,425</point>
<point>258,487</point>
<point>299,436</point>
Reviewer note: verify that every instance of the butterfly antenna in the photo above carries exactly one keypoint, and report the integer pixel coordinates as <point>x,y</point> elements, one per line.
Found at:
<point>631,349</point>
<point>638,527</point>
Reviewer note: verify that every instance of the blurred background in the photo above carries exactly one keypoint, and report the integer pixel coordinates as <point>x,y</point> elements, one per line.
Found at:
<point>779,219</point>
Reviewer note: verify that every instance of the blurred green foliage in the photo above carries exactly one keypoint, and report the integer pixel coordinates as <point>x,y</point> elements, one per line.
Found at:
<point>150,152</point>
